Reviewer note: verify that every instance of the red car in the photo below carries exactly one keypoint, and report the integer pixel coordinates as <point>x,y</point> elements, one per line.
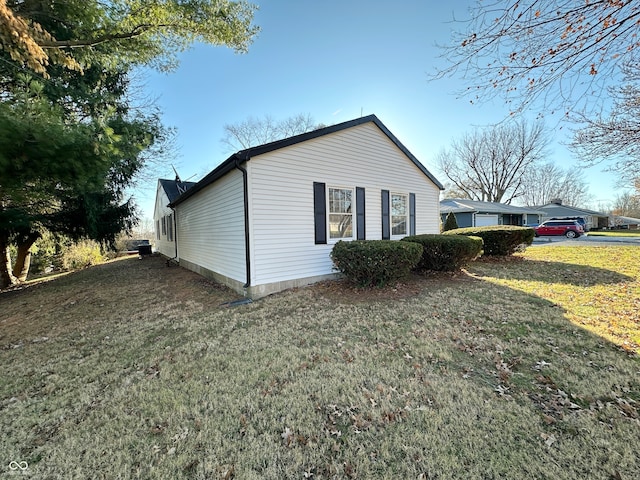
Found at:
<point>568,228</point>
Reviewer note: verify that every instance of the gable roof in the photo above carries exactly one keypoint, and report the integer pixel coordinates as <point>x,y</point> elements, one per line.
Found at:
<point>175,188</point>
<point>245,155</point>
<point>463,205</point>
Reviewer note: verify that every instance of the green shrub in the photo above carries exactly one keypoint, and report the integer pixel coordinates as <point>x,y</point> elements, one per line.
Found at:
<point>375,262</point>
<point>446,252</point>
<point>46,253</point>
<point>450,223</point>
<point>82,254</point>
<point>498,239</point>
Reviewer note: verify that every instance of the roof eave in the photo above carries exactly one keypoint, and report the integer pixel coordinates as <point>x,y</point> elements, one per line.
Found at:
<point>246,154</point>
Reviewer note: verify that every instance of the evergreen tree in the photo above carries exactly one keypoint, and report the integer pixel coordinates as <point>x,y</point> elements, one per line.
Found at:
<point>70,142</point>
<point>450,222</point>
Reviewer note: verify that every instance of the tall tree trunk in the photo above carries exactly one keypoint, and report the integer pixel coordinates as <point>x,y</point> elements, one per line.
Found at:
<point>23,258</point>
<point>7,278</point>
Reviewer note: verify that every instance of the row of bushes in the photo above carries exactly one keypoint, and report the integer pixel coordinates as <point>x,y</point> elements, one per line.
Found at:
<point>498,239</point>
<point>377,262</point>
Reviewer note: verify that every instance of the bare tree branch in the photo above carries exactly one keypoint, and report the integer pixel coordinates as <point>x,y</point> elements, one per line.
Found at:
<point>258,131</point>
<point>616,136</point>
<point>542,184</point>
<point>489,165</point>
<point>563,52</point>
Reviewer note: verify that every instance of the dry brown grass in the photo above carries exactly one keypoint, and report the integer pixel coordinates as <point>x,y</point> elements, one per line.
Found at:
<point>135,370</point>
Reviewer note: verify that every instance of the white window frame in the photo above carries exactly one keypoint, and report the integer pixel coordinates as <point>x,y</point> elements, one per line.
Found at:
<point>391,215</point>
<point>353,236</point>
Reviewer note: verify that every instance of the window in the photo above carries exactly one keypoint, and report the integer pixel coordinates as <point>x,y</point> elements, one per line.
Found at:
<point>158,229</point>
<point>399,214</point>
<point>164,225</point>
<point>340,212</point>
<point>170,228</point>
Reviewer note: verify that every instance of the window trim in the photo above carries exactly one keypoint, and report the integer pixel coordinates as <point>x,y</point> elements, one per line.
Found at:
<point>354,234</point>
<point>406,215</point>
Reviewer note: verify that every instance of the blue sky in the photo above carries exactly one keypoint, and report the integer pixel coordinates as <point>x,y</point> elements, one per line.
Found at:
<point>335,60</point>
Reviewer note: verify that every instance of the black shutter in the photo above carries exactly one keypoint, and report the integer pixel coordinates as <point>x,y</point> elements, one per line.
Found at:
<point>320,212</point>
<point>360,224</point>
<point>412,214</point>
<point>386,225</point>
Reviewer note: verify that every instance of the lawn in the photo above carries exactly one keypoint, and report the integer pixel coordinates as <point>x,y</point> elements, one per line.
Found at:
<point>521,368</point>
<point>615,233</point>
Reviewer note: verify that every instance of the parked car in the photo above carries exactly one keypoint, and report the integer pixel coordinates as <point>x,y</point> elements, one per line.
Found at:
<point>580,220</point>
<point>568,228</point>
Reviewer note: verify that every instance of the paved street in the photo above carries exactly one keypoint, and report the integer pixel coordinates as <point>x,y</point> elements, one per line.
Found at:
<point>586,239</point>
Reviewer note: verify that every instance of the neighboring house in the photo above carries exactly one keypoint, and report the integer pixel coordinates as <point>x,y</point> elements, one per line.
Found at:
<point>473,213</point>
<point>163,219</point>
<point>555,209</point>
<point>266,218</point>
<point>629,223</point>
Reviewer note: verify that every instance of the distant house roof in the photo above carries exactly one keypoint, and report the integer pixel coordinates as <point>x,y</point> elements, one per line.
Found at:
<point>245,155</point>
<point>463,205</point>
<point>620,220</point>
<point>175,188</point>
<point>558,210</point>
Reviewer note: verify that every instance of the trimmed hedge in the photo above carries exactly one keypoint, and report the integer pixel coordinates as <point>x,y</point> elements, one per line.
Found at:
<point>498,239</point>
<point>446,252</point>
<point>375,262</point>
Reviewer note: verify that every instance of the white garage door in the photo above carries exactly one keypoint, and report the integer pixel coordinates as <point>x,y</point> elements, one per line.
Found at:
<point>484,220</point>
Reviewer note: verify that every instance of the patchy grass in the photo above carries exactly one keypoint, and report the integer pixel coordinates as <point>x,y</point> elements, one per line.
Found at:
<point>134,370</point>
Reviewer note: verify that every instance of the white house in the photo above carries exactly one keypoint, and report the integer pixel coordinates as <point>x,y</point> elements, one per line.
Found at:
<point>167,191</point>
<point>267,218</point>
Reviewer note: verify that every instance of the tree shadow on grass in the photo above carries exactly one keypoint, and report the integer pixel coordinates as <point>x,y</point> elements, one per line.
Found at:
<point>515,268</point>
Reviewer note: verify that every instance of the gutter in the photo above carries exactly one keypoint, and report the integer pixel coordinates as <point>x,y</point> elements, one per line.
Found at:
<point>247,249</point>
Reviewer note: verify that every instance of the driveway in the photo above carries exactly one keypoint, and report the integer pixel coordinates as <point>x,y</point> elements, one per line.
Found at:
<point>586,240</point>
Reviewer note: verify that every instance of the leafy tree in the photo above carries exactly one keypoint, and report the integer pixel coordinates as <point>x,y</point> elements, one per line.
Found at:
<point>547,181</point>
<point>64,176</point>
<point>450,222</point>
<point>258,131</point>
<point>151,32</point>
<point>558,51</point>
<point>71,146</point>
<point>489,164</point>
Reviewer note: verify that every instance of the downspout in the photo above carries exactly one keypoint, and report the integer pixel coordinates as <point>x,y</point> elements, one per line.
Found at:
<point>247,249</point>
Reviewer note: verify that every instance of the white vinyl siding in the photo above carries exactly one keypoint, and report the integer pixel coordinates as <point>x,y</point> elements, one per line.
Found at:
<point>210,228</point>
<point>281,197</point>
<point>164,244</point>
